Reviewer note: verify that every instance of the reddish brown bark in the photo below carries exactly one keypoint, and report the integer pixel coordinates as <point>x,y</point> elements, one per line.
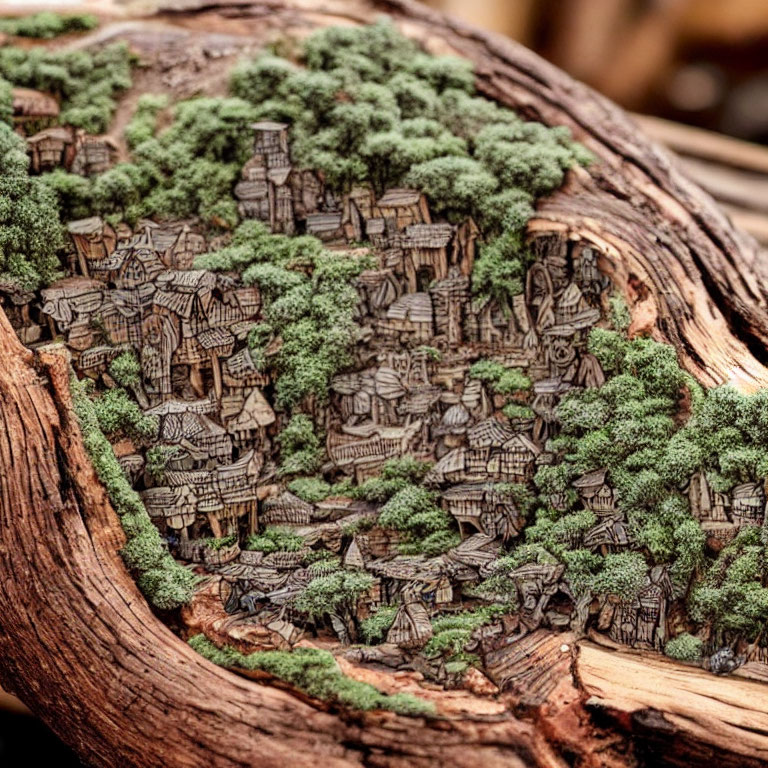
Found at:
<point>79,644</point>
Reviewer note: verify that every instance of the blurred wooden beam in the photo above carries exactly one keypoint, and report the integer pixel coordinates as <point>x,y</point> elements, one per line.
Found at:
<point>514,18</point>
<point>733,171</point>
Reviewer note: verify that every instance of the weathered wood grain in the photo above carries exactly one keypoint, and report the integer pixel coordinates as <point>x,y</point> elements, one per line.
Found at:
<point>78,642</point>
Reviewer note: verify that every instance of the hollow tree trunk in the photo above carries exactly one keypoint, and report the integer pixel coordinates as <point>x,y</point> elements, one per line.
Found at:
<point>79,644</point>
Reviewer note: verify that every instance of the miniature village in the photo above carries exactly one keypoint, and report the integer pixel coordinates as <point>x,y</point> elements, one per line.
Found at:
<point>427,512</point>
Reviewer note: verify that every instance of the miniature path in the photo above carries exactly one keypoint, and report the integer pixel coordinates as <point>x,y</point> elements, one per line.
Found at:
<point>683,705</point>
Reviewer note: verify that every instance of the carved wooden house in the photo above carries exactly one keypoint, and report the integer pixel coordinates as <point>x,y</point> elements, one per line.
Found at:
<point>286,509</point>
<point>595,492</point>
<point>120,317</point>
<point>33,110</point>
<point>177,245</point>
<point>610,534</point>
<point>93,154</point>
<point>249,425</point>
<point>425,254</point>
<point>450,298</point>
<point>403,207</point>
<point>362,450</point>
<point>409,319</point>
<point>16,303</point>
<point>185,296</point>
<point>202,441</point>
<point>94,242</point>
<point>642,623</point>
<point>271,142</point>
<point>482,508</point>
<point>748,505</point>
<point>326,226</point>
<point>411,628</point>
<point>172,507</point>
<point>71,302</point>
<point>50,148</point>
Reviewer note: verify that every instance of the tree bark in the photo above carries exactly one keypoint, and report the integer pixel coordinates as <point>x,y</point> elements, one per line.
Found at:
<point>79,644</point>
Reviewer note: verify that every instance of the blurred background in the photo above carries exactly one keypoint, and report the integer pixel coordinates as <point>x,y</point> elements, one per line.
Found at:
<point>701,62</point>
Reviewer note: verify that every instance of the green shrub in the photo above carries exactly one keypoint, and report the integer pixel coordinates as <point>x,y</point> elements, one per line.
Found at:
<point>300,449</point>
<point>311,489</point>
<point>48,25</point>
<point>166,584</point>
<point>157,459</point>
<point>86,82</point>
<point>30,231</point>
<point>118,414</point>
<point>125,369</point>
<point>684,647</point>
<point>316,673</point>
<point>373,630</point>
<point>334,593</point>
<point>273,539</point>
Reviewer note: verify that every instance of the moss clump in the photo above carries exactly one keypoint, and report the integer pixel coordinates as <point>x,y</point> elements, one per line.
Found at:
<point>273,539</point>
<point>166,584</point>
<point>47,25</point>
<point>311,489</point>
<point>29,225</point>
<point>336,593</point>
<point>300,448</point>
<point>309,308</point>
<point>157,459</point>
<point>684,647</point>
<point>373,630</point>
<point>428,529</point>
<point>732,596</point>
<point>316,673</point>
<point>6,102</point>
<point>502,380</point>
<point>216,544</point>
<point>125,369</point>
<point>117,414</point>
<point>452,633</point>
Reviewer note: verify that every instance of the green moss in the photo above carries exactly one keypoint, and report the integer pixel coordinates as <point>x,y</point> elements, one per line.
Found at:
<point>360,525</point>
<point>428,529</point>
<point>125,369</point>
<point>157,459</point>
<point>623,575</point>
<point>117,414</point>
<point>684,647</point>
<point>621,318</point>
<point>166,584</point>
<point>373,630</point>
<point>315,673</point>
<point>273,539</point>
<point>85,82</point>
<point>30,231</point>
<point>6,102</point>
<point>502,380</point>
<point>311,489</point>
<point>300,448</point>
<point>221,542</point>
<point>453,632</point>
<point>48,25</point>
<point>334,593</point>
